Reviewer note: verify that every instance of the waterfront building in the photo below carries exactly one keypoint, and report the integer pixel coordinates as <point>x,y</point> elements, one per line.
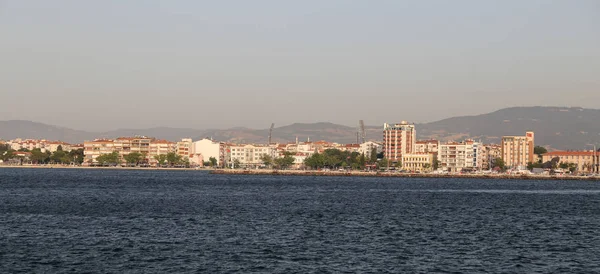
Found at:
<point>488,155</point>
<point>183,148</point>
<point>367,147</point>
<point>586,160</point>
<point>456,157</point>
<point>159,147</point>
<point>398,139</point>
<point>93,149</point>
<point>53,146</point>
<point>205,149</point>
<point>517,151</point>
<point>148,147</point>
<point>427,146</point>
<point>418,161</point>
<point>248,155</point>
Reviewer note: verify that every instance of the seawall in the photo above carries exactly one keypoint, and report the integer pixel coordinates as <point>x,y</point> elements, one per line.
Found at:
<point>398,175</point>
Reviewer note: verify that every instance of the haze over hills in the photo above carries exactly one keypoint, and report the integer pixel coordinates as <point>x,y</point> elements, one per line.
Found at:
<point>556,127</point>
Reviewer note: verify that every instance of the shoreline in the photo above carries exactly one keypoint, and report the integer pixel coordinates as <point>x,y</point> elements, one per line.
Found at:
<point>106,168</point>
<point>399,175</point>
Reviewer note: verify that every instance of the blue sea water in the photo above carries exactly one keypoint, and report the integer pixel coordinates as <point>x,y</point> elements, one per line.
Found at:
<point>116,221</point>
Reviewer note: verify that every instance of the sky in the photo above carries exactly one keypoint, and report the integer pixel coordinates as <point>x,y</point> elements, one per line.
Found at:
<point>107,64</point>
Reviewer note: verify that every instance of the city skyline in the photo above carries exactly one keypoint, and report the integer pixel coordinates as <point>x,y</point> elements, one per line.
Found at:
<point>206,65</point>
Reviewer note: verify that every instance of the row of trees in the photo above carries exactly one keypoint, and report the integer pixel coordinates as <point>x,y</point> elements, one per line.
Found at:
<point>136,158</point>
<point>38,157</point>
<point>282,162</point>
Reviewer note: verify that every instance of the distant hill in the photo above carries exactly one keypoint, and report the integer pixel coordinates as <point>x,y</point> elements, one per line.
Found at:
<point>33,130</point>
<point>556,127</point>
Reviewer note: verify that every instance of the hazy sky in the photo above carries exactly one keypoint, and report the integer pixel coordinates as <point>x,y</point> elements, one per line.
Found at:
<point>103,64</point>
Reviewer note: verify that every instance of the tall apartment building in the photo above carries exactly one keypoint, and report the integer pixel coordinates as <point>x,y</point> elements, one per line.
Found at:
<point>398,139</point>
<point>183,148</point>
<point>517,151</point>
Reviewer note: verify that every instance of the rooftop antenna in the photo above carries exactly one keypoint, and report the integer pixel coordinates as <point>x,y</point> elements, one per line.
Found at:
<point>271,132</point>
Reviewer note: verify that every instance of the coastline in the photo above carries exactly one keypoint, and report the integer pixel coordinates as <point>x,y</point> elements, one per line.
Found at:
<point>397,175</point>
<point>105,168</point>
<point>274,172</point>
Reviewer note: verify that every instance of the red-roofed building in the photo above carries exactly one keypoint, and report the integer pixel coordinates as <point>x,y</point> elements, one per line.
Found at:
<point>585,160</point>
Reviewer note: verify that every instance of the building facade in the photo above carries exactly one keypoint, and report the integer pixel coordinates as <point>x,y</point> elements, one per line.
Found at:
<point>417,162</point>
<point>427,146</point>
<point>586,161</point>
<point>457,157</point>
<point>205,149</point>
<point>517,151</point>
<point>249,156</point>
<point>398,139</point>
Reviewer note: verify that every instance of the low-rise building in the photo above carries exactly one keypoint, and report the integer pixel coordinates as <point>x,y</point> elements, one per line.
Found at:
<point>586,161</point>
<point>367,148</point>
<point>418,161</point>
<point>427,146</point>
<point>250,155</point>
<point>488,155</point>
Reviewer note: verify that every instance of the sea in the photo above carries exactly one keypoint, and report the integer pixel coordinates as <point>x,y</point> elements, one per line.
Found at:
<point>155,221</point>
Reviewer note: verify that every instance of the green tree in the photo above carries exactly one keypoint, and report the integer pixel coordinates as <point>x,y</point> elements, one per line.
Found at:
<point>112,158</point>
<point>59,148</point>
<point>266,159</point>
<point>236,163</point>
<point>213,161</point>
<point>539,150</point>
<point>373,158</point>
<point>286,161</point>
<point>383,163</point>
<point>161,159</point>
<point>39,157</point>
<point>436,164</point>
<point>499,163</point>
<point>173,158</point>
<point>315,161</point>
<point>60,157</point>
<point>427,166</point>
<point>133,158</point>
<point>7,155</point>
<point>77,155</point>
<point>531,165</point>
<point>362,161</point>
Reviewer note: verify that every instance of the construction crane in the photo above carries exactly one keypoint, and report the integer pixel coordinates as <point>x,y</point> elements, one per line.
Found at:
<point>363,133</point>
<point>271,132</point>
